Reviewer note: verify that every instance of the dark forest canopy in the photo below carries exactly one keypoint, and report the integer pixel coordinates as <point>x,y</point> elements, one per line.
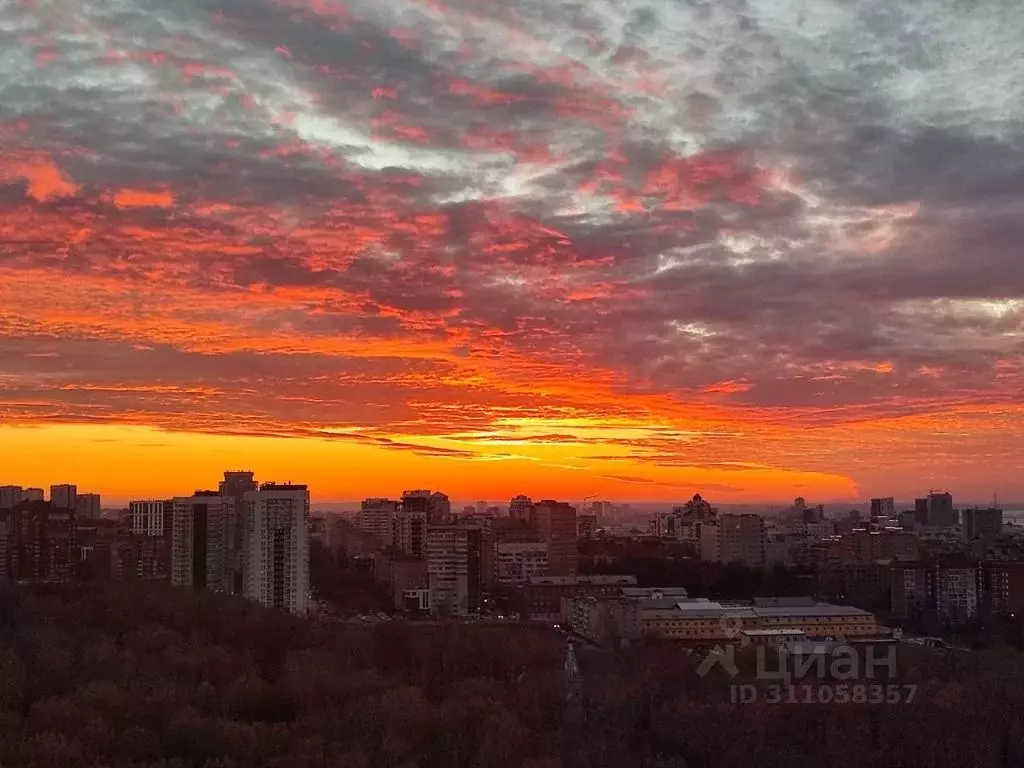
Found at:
<point>146,675</point>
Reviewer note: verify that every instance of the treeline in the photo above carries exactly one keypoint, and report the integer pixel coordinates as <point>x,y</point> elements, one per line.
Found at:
<point>132,675</point>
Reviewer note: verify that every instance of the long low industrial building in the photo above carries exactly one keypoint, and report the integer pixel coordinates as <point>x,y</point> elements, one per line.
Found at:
<point>623,620</point>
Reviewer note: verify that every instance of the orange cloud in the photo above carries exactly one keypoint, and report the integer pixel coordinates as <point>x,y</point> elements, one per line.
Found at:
<point>139,198</point>
<point>45,180</point>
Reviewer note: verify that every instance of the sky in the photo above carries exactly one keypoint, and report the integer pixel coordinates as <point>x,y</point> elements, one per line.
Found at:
<point>752,248</point>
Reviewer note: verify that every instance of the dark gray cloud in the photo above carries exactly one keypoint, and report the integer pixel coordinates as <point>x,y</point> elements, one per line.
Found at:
<point>782,206</point>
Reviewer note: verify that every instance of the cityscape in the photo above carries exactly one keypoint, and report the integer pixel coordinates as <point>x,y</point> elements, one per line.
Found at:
<point>511,384</point>
<point>876,575</point>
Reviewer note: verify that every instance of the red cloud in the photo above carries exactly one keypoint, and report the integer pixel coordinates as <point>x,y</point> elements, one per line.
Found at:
<point>140,198</point>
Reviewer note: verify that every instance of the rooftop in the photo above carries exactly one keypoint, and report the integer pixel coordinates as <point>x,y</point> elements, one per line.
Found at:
<point>819,609</point>
<point>272,486</point>
<point>597,581</point>
<point>655,593</point>
<point>783,602</point>
<point>717,610</point>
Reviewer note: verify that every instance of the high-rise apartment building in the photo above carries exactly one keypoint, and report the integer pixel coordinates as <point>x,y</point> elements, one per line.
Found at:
<point>41,542</point>
<point>883,508</point>
<point>555,522</point>
<point>984,524</point>
<point>455,568</point>
<point>6,541</point>
<point>233,488</point>
<point>411,524</point>
<point>439,509</point>
<point>64,496</point>
<point>33,494</point>
<point>742,540</point>
<point>920,513</point>
<point>377,517</point>
<point>10,496</point>
<point>277,537</point>
<point>940,510</point>
<point>944,591</point>
<point>151,517</point>
<point>87,506</point>
<point>191,561</point>
<point>520,508</point>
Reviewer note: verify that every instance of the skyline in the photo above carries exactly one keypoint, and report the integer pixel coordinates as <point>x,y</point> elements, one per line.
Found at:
<point>395,493</point>
<point>760,250</point>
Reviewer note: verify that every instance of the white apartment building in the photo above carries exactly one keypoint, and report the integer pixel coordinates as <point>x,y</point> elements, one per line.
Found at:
<point>147,517</point>
<point>277,538</point>
<point>516,561</point>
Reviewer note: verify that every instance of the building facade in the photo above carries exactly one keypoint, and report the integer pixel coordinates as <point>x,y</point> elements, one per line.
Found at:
<point>555,523</point>
<point>150,517</point>
<point>941,513</point>
<point>192,519</point>
<point>742,540</point>
<point>454,555</point>
<point>10,496</point>
<point>402,574</point>
<point>883,508</point>
<point>521,508</point>
<point>41,542</point>
<point>277,537</point>
<point>607,622</point>
<point>706,622</point>
<point>233,489</point>
<point>64,496</point>
<point>88,506</point>
<point>377,517</point>
<point>141,557</point>
<point>518,561</point>
<point>439,509</point>
<point>985,524</point>
<point>410,527</point>
<point>869,546</point>
<point>944,591</point>
<point>543,596</point>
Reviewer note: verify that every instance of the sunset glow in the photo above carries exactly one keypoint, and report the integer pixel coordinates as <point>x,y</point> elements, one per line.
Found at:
<point>629,251</point>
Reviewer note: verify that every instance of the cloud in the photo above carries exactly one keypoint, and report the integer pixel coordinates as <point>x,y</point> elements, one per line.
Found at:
<point>138,198</point>
<point>755,219</point>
